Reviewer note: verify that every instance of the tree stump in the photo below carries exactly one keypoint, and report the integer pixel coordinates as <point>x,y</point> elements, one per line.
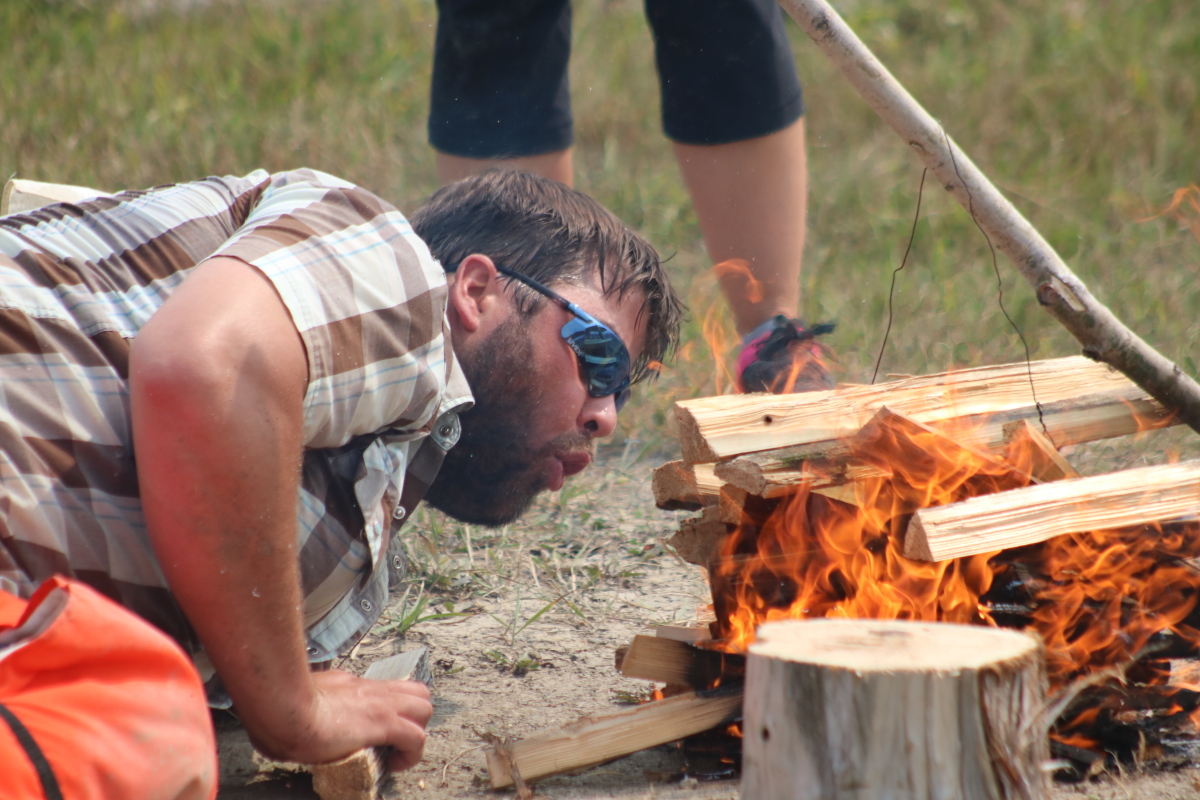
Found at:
<point>875,710</point>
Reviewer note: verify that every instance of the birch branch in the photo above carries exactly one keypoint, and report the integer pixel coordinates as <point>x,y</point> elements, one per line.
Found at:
<point>1059,290</point>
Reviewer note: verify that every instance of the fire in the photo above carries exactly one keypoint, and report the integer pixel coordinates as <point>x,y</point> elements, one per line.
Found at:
<point>1097,599</point>
<point>1184,208</point>
<point>738,270</point>
<point>817,557</point>
<point>720,343</point>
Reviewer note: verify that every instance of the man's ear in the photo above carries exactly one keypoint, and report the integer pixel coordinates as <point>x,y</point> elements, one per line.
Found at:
<point>475,291</point>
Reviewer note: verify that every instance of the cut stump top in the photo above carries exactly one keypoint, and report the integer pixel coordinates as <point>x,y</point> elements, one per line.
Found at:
<point>865,645</point>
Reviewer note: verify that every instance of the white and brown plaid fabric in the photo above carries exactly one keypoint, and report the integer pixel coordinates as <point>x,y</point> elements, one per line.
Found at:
<point>77,282</point>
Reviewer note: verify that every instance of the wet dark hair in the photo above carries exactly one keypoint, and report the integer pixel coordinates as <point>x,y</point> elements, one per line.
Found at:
<point>553,234</point>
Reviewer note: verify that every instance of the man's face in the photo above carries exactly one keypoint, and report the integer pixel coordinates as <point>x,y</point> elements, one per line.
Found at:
<point>534,422</point>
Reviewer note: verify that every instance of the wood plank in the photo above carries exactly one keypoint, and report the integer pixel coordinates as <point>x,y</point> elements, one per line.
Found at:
<point>737,507</point>
<point>699,539</point>
<point>920,450</point>
<point>1030,451</point>
<point>20,195</point>
<point>678,486</point>
<point>653,658</point>
<point>718,428</point>
<point>411,665</point>
<point>594,740</point>
<point>817,473</point>
<point>674,487</point>
<point>684,633</point>
<point>731,507</point>
<point>1034,514</point>
<point>1085,419</point>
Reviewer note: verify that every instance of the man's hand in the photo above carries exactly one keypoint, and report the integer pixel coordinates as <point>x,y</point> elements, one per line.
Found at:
<point>350,713</point>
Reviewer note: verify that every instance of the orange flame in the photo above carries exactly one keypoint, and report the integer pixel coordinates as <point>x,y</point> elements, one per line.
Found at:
<point>739,268</point>
<point>1184,208</point>
<point>720,341</point>
<point>1098,599</point>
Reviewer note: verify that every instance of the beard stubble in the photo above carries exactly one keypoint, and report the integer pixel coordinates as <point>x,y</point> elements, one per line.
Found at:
<point>492,475</point>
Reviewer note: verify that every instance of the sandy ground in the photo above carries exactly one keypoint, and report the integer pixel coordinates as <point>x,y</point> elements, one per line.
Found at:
<point>477,693</point>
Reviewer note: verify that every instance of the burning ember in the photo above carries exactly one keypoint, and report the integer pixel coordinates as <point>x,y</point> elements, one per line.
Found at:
<point>1099,600</point>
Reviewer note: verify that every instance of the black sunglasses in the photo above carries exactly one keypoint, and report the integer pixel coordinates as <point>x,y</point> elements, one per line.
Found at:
<point>602,355</point>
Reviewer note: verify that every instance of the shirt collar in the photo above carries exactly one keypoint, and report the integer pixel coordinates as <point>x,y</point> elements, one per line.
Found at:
<point>457,397</point>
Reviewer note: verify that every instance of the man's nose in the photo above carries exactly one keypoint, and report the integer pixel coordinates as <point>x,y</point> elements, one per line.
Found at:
<point>598,417</point>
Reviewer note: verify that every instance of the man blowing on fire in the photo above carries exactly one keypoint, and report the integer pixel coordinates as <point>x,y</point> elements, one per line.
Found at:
<point>221,401</point>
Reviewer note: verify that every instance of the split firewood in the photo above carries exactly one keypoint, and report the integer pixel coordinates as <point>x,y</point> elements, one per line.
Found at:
<point>591,741</point>
<point>681,487</point>
<point>912,451</point>
<point>699,539</point>
<point>1030,451</point>
<point>840,709</point>
<point>1080,399</point>
<point>816,474</point>
<point>683,633</point>
<point>364,775</point>
<point>738,507</point>
<point>653,658</point>
<point>1026,516</point>
<point>21,195</point>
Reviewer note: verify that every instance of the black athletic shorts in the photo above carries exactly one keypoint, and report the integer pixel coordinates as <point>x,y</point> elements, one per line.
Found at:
<point>500,84</point>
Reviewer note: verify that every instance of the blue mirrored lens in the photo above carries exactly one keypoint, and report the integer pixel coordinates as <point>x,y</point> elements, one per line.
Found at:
<point>603,355</point>
<point>622,397</point>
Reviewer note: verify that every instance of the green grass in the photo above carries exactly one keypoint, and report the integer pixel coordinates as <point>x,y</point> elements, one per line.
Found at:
<point>1086,114</point>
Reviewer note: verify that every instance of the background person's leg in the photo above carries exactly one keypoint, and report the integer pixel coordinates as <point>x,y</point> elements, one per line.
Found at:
<point>500,93</point>
<point>732,104</point>
<point>750,199</point>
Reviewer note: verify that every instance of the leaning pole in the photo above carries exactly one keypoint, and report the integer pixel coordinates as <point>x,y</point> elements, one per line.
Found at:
<point>1059,290</point>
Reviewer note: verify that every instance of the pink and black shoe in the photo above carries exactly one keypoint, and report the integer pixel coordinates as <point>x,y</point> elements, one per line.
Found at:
<point>782,356</point>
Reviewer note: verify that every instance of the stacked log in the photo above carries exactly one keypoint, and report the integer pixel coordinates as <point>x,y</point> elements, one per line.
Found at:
<point>744,454</point>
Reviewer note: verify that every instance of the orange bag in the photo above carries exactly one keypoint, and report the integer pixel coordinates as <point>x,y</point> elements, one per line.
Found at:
<point>97,704</point>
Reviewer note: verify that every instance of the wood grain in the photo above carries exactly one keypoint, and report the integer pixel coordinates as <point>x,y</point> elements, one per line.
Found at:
<point>1034,514</point>
<point>713,429</point>
<point>594,740</point>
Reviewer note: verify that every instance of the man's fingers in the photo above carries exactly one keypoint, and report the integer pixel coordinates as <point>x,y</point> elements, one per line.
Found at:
<point>408,744</point>
<point>413,688</point>
<point>413,707</point>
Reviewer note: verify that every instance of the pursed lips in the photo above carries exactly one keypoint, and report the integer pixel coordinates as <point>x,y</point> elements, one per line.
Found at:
<point>574,461</point>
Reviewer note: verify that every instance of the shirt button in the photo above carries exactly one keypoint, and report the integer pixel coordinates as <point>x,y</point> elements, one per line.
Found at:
<point>366,604</point>
<point>378,526</point>
<point>312,651</point>
<point>400,512</point>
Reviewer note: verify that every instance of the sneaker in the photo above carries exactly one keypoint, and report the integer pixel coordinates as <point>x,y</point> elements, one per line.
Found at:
<point>783,356</point>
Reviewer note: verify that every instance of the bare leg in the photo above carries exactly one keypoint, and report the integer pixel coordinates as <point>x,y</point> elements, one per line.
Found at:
<point>751,198</point>
<point>556,166</point>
